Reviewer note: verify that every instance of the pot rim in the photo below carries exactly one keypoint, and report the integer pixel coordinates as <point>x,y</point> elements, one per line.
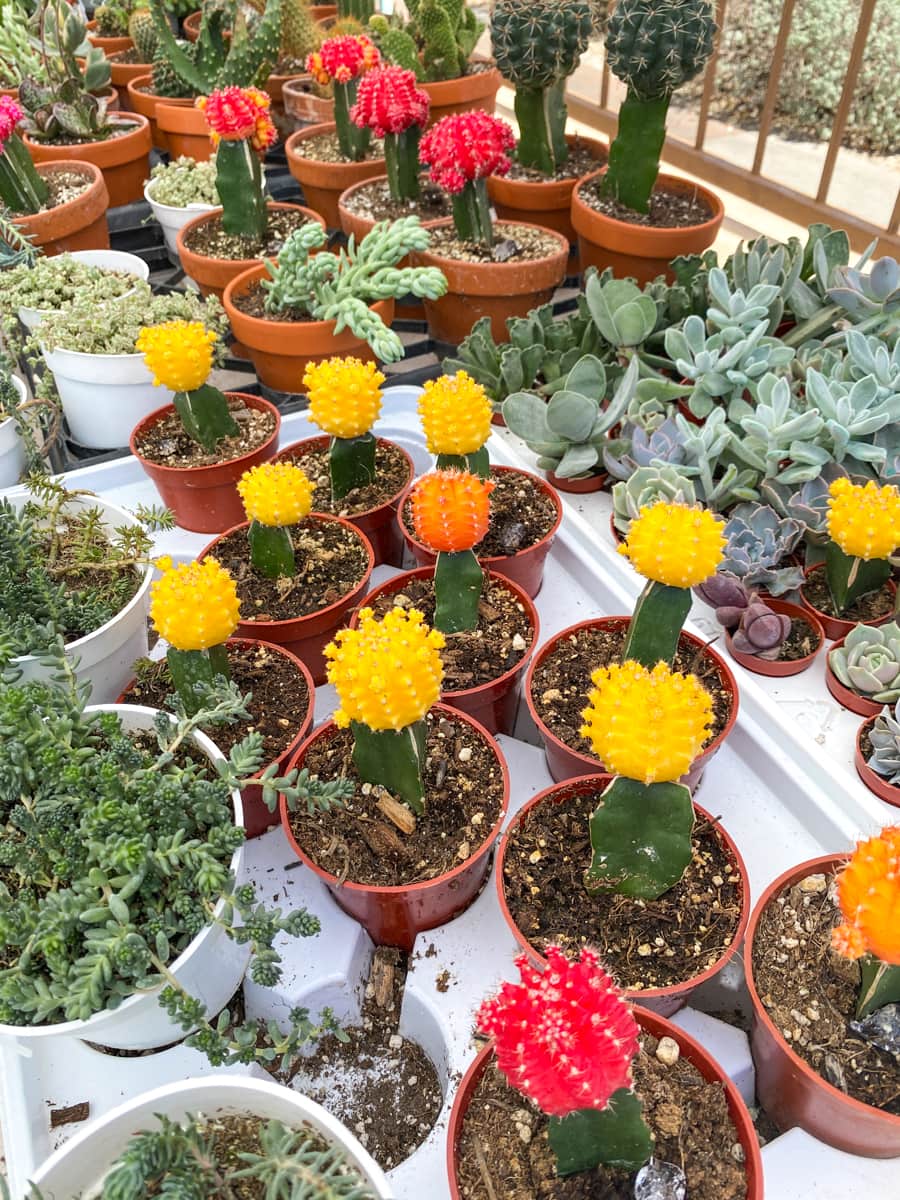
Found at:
<point>302,135</point>
<point>655,231</point>
<point>877,784</point>
<point>282,455</point>
<point>246,264</point>
<point>154,417</point>
<point>257,270</point>
<point>138,123</point>
<point>505,268</point>
<point>837,688</point>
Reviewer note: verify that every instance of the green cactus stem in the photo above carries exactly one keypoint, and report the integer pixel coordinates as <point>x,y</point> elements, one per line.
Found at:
<point>351,464</point>
<point>401,155</point>
<point>879,985</point>
<point>194,672</point>
<point>22,190</point>
<point>352,140</point>
<point>239,182</point>
<point>271,550</point>
<point>656,625</point>
<point>635,153</point>
<point>205,416</point>
<point>541,115</point>
<point>616,1136</point>
<point>849,577</point>
<point>458,584</point>
<point>472,214</point>
<point>477,463</point>
<point>392,758</point>
<point>359,10</point>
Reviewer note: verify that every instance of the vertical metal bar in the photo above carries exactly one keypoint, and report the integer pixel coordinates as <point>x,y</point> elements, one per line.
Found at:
<point>768,108</point>
<point>709,78</point>
<point>840,118</point>
<point>604,85</point>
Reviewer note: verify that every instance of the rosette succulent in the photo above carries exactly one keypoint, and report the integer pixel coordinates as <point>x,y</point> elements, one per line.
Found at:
<point>661,446</point>
<point>647,486</point>
<point>869,662</point>
<point>759,541</point>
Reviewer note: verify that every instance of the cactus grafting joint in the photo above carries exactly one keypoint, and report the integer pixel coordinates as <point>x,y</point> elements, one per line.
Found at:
<point>344,401</point>
<point>342,61</point>
<point>178,355</point>
<point>462,150</point>
<point>275,496</point>
<point>565,1038</point>
<point>240,126</point>
<point>21,188</point>
<point>456,419</point>
<point>390,105</point>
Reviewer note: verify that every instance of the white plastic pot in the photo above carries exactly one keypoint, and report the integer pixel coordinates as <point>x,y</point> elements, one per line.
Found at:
<point>78,1167</point>
<point>172,218</point>
<point>110,260</point>
<point>12,452</point>
<point>210,969</point>
<point>106,657</point>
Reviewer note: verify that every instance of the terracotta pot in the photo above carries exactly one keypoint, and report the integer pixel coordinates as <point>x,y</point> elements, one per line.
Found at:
<point>280,350</point>
<point>185,130</point>
<point>124,161</point>
<point>302,104</point>
<point>839,627</point>
<point>845,696</point>
<point>205,499</point>
<point>641,251</point>
<point>306,636</point>
<point>274,87</point>
<point>379,524</point>
<point>146,103</point>
<point>13,93</point>
<point>778,668</point>
<point>79,224</point>
<point>109,45</point>
<point>494,704</point>
<point>525,568</point>
<point>212,275</point>
<point>111,96</point>
<point>466,94</point>
<point>879,784</point>
<point>322,12</point>
<point>578,487</point>
<point>489,289</point>
<point>190,26</point>
<point>393,916</point>
<point>323,182</point>
<point>565,763</point>
<point>122,74</point>
<point>790,1091</point>
<point>497,418</point>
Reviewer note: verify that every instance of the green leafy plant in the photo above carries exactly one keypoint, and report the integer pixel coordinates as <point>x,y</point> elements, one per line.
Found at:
<point>55,283</point>
<point>182,181</point>
<point>20,54</point>
<point>868,662</point>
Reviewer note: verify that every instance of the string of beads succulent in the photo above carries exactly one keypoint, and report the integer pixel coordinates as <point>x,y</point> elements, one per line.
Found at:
<point>864,529</point>
<point>342,61</point>
<point>242,130</point>
<point>455,412</point>
<point>390,105</point>
<point>565,1038</point>
<point>462,150</point>
<point>275,497</point>
<point>345,401</point>
<point>22,189</point>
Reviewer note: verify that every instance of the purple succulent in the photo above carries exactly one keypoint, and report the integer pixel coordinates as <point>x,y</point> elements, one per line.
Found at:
<point>761,631</point>
<point>727,595</point>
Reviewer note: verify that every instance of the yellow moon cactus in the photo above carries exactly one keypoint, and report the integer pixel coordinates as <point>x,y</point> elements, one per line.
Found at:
<point>178,354</point>
<point>868,891</point>
<point>276,494</point>
<point>864,520</point>
<point>344,396</point>
<point>675,544</point>
<point>456,415</point>
<point>194,605</point>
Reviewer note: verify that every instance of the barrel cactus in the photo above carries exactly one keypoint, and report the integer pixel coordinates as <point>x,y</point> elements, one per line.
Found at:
<point>654,46</point>
<point>142,32</point>
<point>869,662</point>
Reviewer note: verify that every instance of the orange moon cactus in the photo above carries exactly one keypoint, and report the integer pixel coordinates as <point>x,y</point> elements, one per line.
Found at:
<point>451,510</point>
<point>869,898</point>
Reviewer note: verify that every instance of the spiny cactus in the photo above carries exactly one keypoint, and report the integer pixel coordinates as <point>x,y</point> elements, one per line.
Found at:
<point>359,10</point>
<point>142,32</point>
<point>537,45</point>
<point>300,34</point>
<point>654,46</point>
<point>217,62</point>
<point>165,80</point>
<point>446,31</point>
<point>397,47</point>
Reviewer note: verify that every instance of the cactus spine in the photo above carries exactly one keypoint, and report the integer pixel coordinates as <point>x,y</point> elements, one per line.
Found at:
<point>359,10</point>
<point>142,32</point>
<point>397,47</point>
<point>245,61</point>
<point>447,32</point>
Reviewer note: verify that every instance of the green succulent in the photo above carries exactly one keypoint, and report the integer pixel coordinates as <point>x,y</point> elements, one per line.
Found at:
<point>244,59</point>
<point>884,737</point>
<point>869,662</point>
<point>647,486</point>
<point>445,32</point>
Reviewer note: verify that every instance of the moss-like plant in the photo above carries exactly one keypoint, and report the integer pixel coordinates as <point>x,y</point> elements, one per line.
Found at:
<point>184,181</point>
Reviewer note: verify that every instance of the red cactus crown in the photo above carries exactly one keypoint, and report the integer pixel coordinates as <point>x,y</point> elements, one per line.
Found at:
<point>10,116</point>
<point>464,147</point>
<point>388,101</point>
<point>234,113</point>
<point>340,59</point>
<point>564,1036</point>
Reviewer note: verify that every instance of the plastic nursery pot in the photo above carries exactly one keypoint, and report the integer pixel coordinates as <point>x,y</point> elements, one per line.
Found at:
<point>525,568</point>
<point>107,260</point>
<point>379,524</point>
<point>323,182</point>
<point>306,637</point>
<point>844,695</point>
<point>395,915</point>
<point>477,90</point>
<point>490,289</point>
<point>657,1027</point>
<point>581,485</point>
<point>565,763</point>
<point>210,968</point>
<point>281,350</point>
<point>142,100</point>
<point>664,1000</point>
<point>839,627</point>
<point>77,224</point>
<point>124,160</point>
<point>641,251</point>
<point>781,668</point>
<point>185,130</point>
<point>302,103</point>
<point>205,499</point>
<point>790,1091</point>
<point>212,275</point>
<point>109,45</point>
<point>493,704</point>
<point>12,451</point>
<point>878,784</point>
<point>172,219</point>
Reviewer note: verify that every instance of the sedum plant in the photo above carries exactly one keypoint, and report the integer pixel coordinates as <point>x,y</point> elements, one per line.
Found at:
<point>275,496</point>
<point>868,662</point>
<point>344,397</point>
<point>22,189</point>
<point>758,543</point>
<point>389,104</point>
<point>57,282</point>
<point>462,150</point>
<point>342,62</point>
<point>456,419</point>
<point>756,628</point>
<point>864,530</point>
<point>20,52</point>
<point>242,130</point>
<point>183,181</point>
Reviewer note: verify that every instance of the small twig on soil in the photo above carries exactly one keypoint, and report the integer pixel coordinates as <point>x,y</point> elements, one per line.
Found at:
<point>483,1170</point>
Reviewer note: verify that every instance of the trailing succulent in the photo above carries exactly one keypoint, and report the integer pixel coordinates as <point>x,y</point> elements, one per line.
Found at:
<point>869,662</point>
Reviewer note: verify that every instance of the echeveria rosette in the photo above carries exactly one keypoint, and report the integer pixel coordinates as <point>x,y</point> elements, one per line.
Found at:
<point>565,1038</point>
<point>455,412</point>
<point>868,894</point>
<point>342,61</point>
<point>344,401</point>
<point>869,662</point>
<point>389,103</point>
<point>864,530</point>
<point>275,497</point>
<point>242,131</point>
<point>387,675</point>
<point>462,150</point>
<point>22,190</point>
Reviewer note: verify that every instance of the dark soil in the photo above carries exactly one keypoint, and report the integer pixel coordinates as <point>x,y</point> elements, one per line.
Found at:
<point>331,560</point>
<point>464,794</point>
<point>668,210</point>
<point>581,161</point>
<point>504,1153</point>
<point>167,444</point>
<point>324,147</point>
<point>392,474</point>
<point>643,943</point>
<point>560,685</point>
<point>511,242</point>
<point>522,514</point>
<point>373,200</point>
<point>62,187</point>
<point>278,705</point>
<point>211,240</point>
<point>502,638</point>
<point>869,607</point>
<point>810,993</point>
<point>252,301</point>
<point>118,129</point>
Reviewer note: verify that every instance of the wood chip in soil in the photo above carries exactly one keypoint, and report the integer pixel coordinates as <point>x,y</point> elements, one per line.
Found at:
<point>211,240</point>
<point>561,683</point>
<point>581,161</point>
<point>869,607</point>
<point>167,444</point>
<point>278,704</point>
<point>512,243</point>
<point>464,794</point>
<point>374,200</point>
<point>331,560</point>
<point>668,210</point>
<point>501,639</point>
<point>392,474</point>
<point>810,994</point>
<point>522,514</point>
<point>325,147</point>
<point>504,1153</point>
<point>643,943</point>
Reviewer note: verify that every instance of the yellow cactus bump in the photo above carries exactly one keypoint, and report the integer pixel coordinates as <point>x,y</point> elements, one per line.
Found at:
<point>344,396</point>
<point>869,897</point>
<point>276,494</point>
<point>674,544</point>
<point>864,520</point>
<point>646,725</point>
<point>178,354</point>
<point>456,414</point>
<point>195,605</point>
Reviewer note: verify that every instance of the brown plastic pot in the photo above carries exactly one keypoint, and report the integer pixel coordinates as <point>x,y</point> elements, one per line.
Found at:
<point>641,251</point>
<point>565,763</point>
<point>494,704</point>
<point>79,224</point>
<point>124,161</point>
<point>395,915</point>
<point>302,103</point>
<point>281,350</point>
<point>878,784</point>
<point>845,696</point>
<point>839,627</point>
<point>468,93</point>
<point>580,486</point>
<point>779,668</point>
<point>205,499</point>
<point>306,636</point>
<point>490,289</point>
<point>185,130</point>
<point>664,1000</point>
<point>323,182</point>
<point>379,524</point>
<point>790,1091</point>
<point>212,275</point>
<point>657,1027</point>
<point>525,568</point>
<point>146,103</point>
<point>109,45</point>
